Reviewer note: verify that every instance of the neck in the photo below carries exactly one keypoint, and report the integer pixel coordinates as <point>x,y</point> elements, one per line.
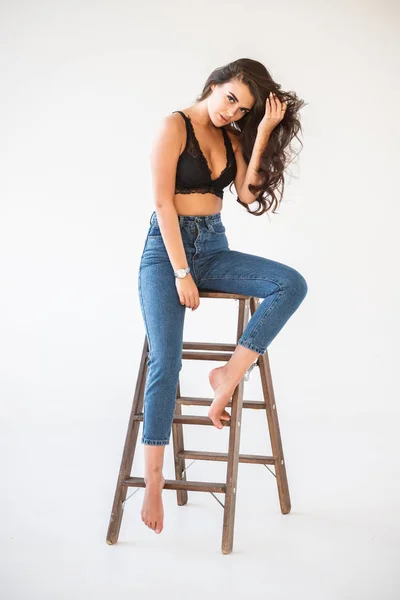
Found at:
<point>200,112</point>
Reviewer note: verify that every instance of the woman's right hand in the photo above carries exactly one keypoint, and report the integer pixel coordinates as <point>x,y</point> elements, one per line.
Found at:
<point>187,291</point>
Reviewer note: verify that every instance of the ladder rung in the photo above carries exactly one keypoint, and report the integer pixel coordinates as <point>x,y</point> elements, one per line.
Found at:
<point>188,420</point>
<point>221,356</point>
<point>208,346</point>
<point>188,400</point>
<point>175,484</point>
<point>256,459</point>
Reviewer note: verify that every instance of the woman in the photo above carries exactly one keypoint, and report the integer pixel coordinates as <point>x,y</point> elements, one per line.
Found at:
<point>235,132</point>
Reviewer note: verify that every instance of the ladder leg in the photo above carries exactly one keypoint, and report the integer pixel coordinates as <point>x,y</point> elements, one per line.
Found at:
<point>232,470</point>
<point>177,437</point>
<point>129,451</point>
<point>273,426</point>
<point>234,447</point>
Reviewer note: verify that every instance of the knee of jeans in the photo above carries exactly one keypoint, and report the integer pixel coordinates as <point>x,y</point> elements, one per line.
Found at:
<point>165,362</point>
<point>299,285</point>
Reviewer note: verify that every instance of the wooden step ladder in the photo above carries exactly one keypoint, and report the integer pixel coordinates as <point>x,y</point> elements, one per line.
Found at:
<point>217,352</point>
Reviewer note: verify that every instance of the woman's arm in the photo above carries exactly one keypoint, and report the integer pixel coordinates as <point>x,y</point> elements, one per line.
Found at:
<point>247,174</point>
<point>164,159</point>
<point>166,148</point>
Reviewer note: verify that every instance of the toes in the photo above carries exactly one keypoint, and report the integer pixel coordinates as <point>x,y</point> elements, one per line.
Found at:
<point>216,421</point>
<point>147,522</point>
<point>225,416</point>
<point>158,525</point>
<point>158,528</point>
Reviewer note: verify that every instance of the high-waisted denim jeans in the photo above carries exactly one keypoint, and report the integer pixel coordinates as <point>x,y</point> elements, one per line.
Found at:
<point>213,266</point>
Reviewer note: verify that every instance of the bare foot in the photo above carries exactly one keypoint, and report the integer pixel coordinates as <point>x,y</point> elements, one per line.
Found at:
<point>223,388</point>
<point>152,510</point>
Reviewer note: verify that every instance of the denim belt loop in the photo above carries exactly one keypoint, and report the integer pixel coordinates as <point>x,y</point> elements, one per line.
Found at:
<point>209,224</point>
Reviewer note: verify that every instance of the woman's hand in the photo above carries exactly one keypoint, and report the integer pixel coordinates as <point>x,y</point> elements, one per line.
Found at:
<point>187,291</point>
<point>274,113</point>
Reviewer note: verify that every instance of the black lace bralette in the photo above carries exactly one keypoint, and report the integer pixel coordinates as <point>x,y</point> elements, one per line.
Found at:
<point>193,175</point>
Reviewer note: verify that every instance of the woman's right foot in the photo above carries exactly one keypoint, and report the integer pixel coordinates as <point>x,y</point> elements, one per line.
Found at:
<point>152,510</point>
<point>223,388</point>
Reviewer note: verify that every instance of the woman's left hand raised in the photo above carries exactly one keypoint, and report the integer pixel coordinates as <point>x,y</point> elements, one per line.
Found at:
<point>274,113</point>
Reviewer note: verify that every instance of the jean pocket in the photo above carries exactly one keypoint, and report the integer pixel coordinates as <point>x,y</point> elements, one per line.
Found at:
<point>218,228</point>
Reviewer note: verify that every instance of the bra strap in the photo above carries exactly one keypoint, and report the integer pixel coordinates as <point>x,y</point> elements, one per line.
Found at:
<point>181,113</point>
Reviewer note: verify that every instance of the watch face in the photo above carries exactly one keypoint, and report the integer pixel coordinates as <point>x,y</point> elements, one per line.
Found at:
<point>181,272</point>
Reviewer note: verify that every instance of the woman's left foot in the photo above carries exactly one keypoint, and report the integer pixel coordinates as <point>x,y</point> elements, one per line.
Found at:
<point>223,389</point>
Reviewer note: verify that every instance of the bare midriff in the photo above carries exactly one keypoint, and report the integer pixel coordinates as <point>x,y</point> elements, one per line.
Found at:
<point>197,205</point>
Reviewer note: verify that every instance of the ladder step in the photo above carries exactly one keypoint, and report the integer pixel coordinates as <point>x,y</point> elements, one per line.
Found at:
<point>189,400</point>
<point>175,484</point>
<point>208,346</point>
<point>257,459</point>
<point>188,420</point>
<point>221,356</point>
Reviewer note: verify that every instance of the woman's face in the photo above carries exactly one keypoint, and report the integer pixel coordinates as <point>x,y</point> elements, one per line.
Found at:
<point>231,100</point>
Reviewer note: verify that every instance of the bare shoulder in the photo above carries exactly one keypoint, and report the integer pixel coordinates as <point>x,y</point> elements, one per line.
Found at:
<point>167,144</point>
<point>171,128</point>
<point>171,123</point>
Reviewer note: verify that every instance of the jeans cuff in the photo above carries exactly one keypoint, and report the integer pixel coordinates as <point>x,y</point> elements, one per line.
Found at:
<point>250,346</point>
<point>155,442</point>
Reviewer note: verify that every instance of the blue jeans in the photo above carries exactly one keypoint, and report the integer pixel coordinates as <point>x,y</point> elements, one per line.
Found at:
<point>213,266</point>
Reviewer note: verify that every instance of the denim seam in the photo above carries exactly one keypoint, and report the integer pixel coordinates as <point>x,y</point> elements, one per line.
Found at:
<point>246,279</point>
<point>194,255</point>
<point>145,321</point>
<point>144,312</point>
<point>254,332</point>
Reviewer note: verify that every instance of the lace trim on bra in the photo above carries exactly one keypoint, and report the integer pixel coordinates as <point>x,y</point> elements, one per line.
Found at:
<point>193,148</point>
<point>199,191</point>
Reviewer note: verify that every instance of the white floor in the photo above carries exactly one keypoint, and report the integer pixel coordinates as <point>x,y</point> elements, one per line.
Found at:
<point>340,541</point>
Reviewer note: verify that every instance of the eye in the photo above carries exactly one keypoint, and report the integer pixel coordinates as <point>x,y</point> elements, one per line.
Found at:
<point>244,110</point>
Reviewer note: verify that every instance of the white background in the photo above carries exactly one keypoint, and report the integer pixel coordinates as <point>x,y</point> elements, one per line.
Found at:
<point>83,87</point>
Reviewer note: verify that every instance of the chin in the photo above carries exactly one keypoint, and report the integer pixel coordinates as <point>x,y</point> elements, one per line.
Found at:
<point>218,121</point>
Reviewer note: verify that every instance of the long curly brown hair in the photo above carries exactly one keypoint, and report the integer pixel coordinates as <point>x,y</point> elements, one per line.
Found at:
<point>276,155</point>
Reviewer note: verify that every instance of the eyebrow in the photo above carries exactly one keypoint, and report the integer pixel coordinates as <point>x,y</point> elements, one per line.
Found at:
<point>232,94</point>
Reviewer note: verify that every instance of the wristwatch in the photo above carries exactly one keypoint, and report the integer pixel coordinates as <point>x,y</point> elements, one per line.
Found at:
<point>181,273</point>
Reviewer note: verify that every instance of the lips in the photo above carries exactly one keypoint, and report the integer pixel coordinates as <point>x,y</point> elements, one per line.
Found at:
<point>225,120</point>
